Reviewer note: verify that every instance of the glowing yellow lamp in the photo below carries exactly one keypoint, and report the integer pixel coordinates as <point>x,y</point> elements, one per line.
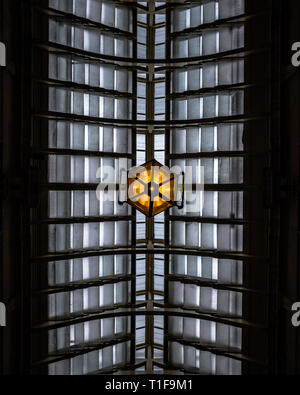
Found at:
<point>151,188</point>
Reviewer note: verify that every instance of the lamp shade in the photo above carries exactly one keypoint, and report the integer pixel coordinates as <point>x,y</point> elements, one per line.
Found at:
<point>151,188</point>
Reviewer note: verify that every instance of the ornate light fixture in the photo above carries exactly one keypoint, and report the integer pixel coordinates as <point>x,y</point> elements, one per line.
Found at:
<point>152,188</point>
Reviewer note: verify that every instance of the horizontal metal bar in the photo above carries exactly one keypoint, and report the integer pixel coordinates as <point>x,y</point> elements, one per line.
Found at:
<point>56,48</point>
<point>136,63</point>
<point>75,351</point>
<point>157,250</point>
<point>131,3</point>
<point>212,90</point>
<point>37,153</point>
<point>84,57</point>
<point>83,220</point>
<point>52,186</point>
<point>205,220</point>
<point>230,187</point>
<point>78,20</point>
<point>140,293</point>
<point>180,63</point>
<point>146,123</point>
<point>217,154</point>
<point>84,284</point>
<point>158,309</point>
<point>69,85</point>
<point>69,187</point>
<point>170,4</point>
<point>145,131</point>
<point>212,284</point>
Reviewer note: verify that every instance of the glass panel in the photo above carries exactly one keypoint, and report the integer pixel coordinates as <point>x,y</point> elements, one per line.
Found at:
<point>83,278</point>
<point>203,143</point>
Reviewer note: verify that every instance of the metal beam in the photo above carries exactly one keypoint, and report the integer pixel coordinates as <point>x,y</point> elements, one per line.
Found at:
<point>82,220</point>
<point>213,284</point>
<point>159,250</point>
<point>83,285</point>
<point>212,90</point>
<point>74,86</point>
<point>55,115</point>
<point>158,309</point>
<point>42,153</point>
<point>136,62</point>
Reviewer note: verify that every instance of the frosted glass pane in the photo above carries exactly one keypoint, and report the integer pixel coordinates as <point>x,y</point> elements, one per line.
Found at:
<point>230,204</point>
<point>179,20</point>
<point>180,49</point>
<point>94,10</point>
<point>80,8</point>
<point>191,295</point>
<point>230,137</point>
<point>193,108</point>
<point>178,264</point>
<point>228,336</point>
<point>229,8</point>
<point>226,366</point>
<point>209,107</point>
<point>207,332</point>
<point>176,354</point>
<point>179,109</point>
<point>231,72</point>
<point>206,299</point>
<point>209,12</point>
<point>176,293</point>
<point>230,271</point>
<point>207,236</point>
<point>230,237</point>
<point>194,79</point>
<point>178,233</point>
<point>179,81</point>
<point>175,326</point>
<point>229,302</point>
<point>194,47</point>
<point>192,235</point>
<point>206,362</point>
<point>189,357</point>
<point>231,38</point>
<point>209,43</point>
<point>106,77</point>
<point>59,368</point>
<point>108,13</point>
<point>191,329</point>
<point>209,75</point>
<point>195,16</point>
<point>231,170</point>
<point>124,19</point>
<point>192,140</point>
